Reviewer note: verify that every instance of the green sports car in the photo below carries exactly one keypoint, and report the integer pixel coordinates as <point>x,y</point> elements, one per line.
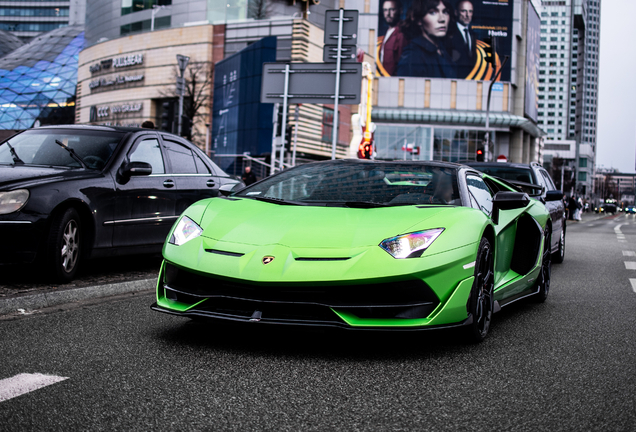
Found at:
<point>359,244</point>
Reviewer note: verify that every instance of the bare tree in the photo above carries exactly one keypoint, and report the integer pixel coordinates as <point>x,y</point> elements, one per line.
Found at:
<point>259,9</point>
<point>198,77</point>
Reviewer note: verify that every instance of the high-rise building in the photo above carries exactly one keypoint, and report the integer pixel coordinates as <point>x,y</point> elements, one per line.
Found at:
<point>568,89</point>
<point>28,19</point>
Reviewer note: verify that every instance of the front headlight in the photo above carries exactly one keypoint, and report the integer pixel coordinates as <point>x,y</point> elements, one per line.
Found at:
<point>410,245</point>
<point>185,231</point>
<point>13,201</point>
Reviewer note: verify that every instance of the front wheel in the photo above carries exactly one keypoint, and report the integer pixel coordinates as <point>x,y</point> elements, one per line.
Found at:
<point>64,246</point>
<point>481,303</point>
<point>543,282</point>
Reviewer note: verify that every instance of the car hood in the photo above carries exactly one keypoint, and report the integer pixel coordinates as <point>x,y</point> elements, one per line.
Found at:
<point>15,176</point>
<point>256,223</point>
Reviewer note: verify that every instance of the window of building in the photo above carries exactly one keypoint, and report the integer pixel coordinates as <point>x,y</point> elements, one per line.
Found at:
<point>582,162</point>
<point>582,176</point>
<point>130,6</point>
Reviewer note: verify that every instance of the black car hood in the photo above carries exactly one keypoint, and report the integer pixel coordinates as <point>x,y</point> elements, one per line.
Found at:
<point>16,176</point>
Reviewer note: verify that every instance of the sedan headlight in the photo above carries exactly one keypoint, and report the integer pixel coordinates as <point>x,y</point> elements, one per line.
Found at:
<point>410,245</point>
<point>13,201</point>
<point>185,231</point>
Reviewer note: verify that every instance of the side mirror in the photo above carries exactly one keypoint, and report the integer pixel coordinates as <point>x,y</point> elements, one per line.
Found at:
<point>554,195</point>
<point>508,201</point>
<point>136,169</point>
<point>228,188</point>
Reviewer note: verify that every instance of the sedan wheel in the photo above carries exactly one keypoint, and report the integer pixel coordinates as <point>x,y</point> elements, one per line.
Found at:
<point>559,256</point>
<point>64,246</point>
<point>543,282</point>
<point>482,295</point>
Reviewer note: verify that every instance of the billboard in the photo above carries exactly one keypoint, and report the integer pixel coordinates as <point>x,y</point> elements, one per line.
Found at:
<point>533,46</point>
<point>443,38</point>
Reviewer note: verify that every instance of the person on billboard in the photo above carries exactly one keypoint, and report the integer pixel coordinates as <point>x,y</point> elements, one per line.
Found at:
<point>426,25</point>
<point>393,42</point>
<point>462,42</point>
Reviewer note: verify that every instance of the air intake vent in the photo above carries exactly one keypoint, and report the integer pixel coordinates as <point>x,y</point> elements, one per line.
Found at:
<point>322,259</point>
<point>220,252</point>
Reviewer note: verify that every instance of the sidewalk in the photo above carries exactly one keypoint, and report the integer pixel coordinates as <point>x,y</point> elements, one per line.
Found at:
<point>23,290</point>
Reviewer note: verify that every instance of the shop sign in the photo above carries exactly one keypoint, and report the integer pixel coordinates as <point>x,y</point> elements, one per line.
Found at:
<point>100,112</point>
<point>118,62</point>
<point>114,81</point>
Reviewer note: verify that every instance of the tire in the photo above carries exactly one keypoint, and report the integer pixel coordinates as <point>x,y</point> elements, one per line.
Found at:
<point>64,247</point>
<point>482,298</point>
<point>543,281</point>
<point>559,255</point>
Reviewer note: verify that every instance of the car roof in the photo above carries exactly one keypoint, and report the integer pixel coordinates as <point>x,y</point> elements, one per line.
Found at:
<point>476,164</point>
<point>94,127</point>
<point>381,162</point>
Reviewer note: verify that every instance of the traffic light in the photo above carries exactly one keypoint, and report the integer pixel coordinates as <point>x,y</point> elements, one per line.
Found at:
<point>479,154</point>
<point>186,127</point>
<point>288,137</point>
<point>167,116</point>
<point>490,49</point>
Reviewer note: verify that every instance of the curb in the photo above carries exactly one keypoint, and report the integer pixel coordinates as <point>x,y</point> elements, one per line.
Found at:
<point>43,300</point>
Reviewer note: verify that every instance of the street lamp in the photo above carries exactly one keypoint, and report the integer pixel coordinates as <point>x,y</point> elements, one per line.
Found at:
<point>155,11</point>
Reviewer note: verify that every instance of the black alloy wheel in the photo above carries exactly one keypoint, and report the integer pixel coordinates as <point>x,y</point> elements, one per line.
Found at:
<point>481,304</point>
<point>543,281</point>
<point>559,255</point>
<point>64,246</point>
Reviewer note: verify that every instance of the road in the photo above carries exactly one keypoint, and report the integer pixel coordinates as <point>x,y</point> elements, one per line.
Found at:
<point>567,364</point>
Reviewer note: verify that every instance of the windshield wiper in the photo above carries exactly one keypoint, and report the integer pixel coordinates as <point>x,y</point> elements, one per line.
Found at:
<point>276,200</point>
<point>364,204</point>
<point>14,155</point>
<point>72,153</point>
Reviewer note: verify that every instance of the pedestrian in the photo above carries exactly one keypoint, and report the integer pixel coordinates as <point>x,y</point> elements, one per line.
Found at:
<point>148,124</point>
<point>571,207</point>
<point>248,176</point>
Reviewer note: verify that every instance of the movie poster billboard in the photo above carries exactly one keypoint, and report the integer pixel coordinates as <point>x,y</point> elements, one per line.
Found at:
<point>443,38</point>
<point>532,64</point>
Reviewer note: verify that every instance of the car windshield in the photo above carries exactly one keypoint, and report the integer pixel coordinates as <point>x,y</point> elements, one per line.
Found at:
<point>45,147</point>
<point>359,184</point>
<point>517,174</point>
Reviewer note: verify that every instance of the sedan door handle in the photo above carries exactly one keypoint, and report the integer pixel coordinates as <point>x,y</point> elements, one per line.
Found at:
<point>168,183</point>
<point>210,183</point>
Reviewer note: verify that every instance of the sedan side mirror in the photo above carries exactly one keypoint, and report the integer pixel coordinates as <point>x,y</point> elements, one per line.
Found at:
<point>508,201</point>
<point>554,195</point>
<point>228,188</point>
<point>136,169</point>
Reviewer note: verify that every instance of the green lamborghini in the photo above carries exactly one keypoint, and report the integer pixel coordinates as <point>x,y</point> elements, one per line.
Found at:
<point>357,244</point>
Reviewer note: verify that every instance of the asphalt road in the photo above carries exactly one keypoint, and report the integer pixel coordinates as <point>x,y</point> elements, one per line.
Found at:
<point>567,364</point>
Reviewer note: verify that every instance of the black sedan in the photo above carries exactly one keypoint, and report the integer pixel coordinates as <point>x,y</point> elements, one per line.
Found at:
<point>68,193</point>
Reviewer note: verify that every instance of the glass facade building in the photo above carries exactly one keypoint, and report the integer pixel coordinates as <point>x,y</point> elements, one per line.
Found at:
<point>28,19</point>
<point>38,80</point>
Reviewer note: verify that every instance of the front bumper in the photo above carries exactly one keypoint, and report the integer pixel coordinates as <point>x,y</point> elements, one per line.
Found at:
<point>404,303</point>
<point>21,240</point>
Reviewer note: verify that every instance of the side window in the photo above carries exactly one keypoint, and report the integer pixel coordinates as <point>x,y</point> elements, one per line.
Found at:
<point>148,151</point>
<point>548,181</point>
<point>480,195</point>
<point>181,158</point>
<point>202,168</point>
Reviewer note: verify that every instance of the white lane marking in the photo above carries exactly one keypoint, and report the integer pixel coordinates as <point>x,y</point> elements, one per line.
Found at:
<point>629,253</point>
<point>620,236</point>
<point>25,383</point>
<point>630,265</point>
<point>617,229</point>
<point>622,241</point>
<point>470,265</point>
<point>633,282</point>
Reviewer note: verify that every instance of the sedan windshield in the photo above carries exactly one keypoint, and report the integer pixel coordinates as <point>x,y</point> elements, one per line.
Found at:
<point>52,147</point>
<point>359,185</point>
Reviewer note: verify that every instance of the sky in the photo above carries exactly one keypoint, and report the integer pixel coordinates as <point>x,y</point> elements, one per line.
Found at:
<point>616,130</point>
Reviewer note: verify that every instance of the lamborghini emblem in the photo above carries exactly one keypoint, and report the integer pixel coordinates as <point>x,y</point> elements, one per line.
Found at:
<point>267,259</point>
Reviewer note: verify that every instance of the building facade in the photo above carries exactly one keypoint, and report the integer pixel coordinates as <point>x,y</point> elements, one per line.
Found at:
<point>568,90</point>
<point>28,19</point>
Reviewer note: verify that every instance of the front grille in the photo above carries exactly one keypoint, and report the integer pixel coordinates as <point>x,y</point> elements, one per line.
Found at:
<point>408,293</point>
